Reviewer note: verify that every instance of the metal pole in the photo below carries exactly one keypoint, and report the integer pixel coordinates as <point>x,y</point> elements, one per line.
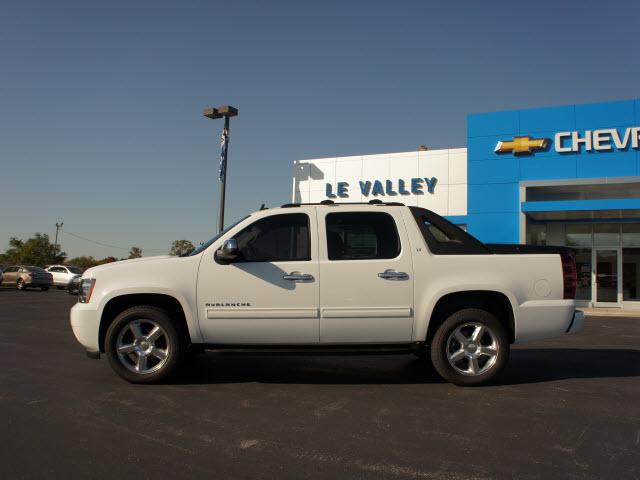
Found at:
<point>225,111</point>
<point>223,173</point>
<point>58,227</point>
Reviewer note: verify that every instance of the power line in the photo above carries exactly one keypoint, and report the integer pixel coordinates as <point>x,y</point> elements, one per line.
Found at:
<point>109,245</point>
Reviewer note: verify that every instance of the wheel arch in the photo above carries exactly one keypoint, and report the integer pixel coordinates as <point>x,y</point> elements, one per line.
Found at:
<point>493,301</point>
<point>120,303</point>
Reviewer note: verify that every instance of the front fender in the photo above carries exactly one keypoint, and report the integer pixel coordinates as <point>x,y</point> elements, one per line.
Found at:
<point>191,318</point>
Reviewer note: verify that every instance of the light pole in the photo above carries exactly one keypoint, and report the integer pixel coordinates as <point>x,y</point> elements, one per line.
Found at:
<point>227,112</point>
<point>58,227</point>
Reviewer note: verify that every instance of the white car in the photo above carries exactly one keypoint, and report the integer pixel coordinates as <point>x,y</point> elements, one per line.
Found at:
<point>63,274</point>
<point>330,278</point>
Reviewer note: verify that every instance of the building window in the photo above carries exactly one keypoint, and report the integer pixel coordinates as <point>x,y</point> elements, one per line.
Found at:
<point>631,273</point>
<point>578,235</point>
<point>537,234</point>
<point>631,235</point>
<point>606,234</point>
<point>583,268</point>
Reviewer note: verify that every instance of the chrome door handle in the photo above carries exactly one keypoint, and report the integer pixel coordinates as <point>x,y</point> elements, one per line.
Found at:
<point>393,275</point>
<point>298,277</point>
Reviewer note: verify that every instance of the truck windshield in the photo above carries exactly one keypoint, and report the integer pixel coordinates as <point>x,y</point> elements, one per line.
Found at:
<point>203,246</point>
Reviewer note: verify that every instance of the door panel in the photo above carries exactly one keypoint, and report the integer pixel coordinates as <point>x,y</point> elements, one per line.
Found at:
<point>365,299</point>
<point>10,277</point>
<point>250,302</point>
<point>55,273</point>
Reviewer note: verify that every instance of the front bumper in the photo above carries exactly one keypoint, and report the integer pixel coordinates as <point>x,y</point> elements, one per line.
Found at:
<point>85,323</point>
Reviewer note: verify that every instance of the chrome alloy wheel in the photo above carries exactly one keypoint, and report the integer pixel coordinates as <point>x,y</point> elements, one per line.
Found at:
<point>142,346</point>
<point>472,349</point>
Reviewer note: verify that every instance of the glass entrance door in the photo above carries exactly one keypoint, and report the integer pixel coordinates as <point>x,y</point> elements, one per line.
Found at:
<point>607,291</point>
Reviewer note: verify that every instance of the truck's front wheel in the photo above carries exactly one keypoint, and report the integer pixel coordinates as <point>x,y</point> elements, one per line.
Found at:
<point>471,347</point>
<point>143,345</point>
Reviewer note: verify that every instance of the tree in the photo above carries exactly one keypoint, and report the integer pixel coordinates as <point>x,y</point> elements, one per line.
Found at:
<point>12,254</point>
<point>82,263</point>
<point>87,262</point>
<point>181,247</point>
<point>135,252</point>
<point>37,250</point>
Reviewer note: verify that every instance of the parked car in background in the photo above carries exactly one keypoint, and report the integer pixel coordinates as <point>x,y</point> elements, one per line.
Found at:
<point>26,276</point>
<point>63,274</point>
<point>74,285</point>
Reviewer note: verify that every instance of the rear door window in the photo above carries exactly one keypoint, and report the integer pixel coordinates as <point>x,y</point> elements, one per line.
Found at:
<point>361,236</point>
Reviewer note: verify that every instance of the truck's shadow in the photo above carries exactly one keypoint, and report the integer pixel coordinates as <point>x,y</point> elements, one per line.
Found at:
<point>548,364</point>
<point>525,366</point>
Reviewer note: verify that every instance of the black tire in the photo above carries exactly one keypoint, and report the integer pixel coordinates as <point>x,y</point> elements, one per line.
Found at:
<point>20,284</point>
<point>173,340</point>
<point>488,366</point>
<point>44,289</point>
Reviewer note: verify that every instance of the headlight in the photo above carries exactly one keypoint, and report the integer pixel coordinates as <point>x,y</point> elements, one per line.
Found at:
<point>86,289</point>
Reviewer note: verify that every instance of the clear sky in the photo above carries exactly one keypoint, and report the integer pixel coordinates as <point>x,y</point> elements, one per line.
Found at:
<point>100,101</point>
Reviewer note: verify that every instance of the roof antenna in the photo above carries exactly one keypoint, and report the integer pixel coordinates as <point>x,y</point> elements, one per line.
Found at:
<point>262,207</point>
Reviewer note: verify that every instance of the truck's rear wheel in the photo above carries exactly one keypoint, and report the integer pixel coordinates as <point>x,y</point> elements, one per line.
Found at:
<point>143,345</point>
<point>471,347</point>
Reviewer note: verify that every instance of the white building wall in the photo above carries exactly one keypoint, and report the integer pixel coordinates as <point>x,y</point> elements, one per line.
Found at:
<point>449,167</point>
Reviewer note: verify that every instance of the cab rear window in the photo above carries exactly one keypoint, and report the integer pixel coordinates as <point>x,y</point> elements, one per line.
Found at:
<point>445,238</point>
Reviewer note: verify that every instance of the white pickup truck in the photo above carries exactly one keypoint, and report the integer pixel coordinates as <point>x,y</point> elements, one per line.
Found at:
<point>330,278</point>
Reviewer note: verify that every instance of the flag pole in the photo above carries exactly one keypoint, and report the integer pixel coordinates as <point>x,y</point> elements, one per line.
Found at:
<point>224,145</point>
<point>226,111</point>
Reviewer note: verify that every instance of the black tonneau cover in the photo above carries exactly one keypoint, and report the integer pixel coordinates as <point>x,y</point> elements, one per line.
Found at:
<point>445,238</point>
<point>511,249</point>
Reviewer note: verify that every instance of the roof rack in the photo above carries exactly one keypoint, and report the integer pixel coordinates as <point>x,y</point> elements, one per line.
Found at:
<point>375,201</point>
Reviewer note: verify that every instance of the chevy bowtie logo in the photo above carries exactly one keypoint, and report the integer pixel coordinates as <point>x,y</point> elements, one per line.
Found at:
<point>521,145</point>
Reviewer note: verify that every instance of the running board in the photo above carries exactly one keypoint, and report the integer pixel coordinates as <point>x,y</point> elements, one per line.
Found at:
<point>370,349</point>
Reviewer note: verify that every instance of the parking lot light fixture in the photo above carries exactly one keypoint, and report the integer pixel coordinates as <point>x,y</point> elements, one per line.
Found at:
<point>211,112</point>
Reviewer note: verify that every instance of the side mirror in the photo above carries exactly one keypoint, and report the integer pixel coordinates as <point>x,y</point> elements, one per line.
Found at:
<point>229,251</point>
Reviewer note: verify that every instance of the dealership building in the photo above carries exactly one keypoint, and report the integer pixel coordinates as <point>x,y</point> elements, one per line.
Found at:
<point>567,175</point>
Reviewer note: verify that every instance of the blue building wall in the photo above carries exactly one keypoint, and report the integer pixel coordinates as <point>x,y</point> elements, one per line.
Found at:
<point>494,178</point>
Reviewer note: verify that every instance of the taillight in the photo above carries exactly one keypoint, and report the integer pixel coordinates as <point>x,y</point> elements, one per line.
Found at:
<point>569,275</point>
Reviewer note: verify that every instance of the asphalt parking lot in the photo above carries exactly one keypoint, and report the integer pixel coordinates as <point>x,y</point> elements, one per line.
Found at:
<point>566,408</point>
